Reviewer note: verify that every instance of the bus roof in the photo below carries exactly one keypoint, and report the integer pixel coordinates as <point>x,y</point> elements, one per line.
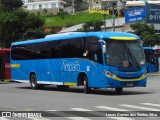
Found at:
<point>148,48</point>
<point>100,35</point>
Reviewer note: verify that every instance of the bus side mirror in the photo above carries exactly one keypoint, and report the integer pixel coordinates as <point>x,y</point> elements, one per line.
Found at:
<point>104,48</point>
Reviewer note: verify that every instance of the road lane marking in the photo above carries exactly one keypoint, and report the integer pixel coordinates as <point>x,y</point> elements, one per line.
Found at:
<point>151,104</point>
<point>120,118</point>
<point>3,118</point>
<point>40,118</point>
<point>78,118</point>
<point>12,107</point>
<point>138,107</point>
<point>28,109</point>
<point>50,110</point>
<point>111,108</point>
<point>80,109</point>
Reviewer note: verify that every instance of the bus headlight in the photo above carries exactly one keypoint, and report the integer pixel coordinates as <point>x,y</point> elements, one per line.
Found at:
<point>109,74</point>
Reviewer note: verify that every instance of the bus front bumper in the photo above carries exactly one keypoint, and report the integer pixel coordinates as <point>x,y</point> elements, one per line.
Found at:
<point>120,82</point>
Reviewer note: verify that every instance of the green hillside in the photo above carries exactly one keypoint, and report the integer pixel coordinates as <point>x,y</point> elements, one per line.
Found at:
<point>70,20</point>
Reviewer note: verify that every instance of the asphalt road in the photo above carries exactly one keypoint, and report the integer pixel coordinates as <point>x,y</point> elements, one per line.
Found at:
<point>65,104</point>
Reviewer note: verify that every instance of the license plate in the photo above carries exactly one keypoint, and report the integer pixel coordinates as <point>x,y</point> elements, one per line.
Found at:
<point>129,84</point>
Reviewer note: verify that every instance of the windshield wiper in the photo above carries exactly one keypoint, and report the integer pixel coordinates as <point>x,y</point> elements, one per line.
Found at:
<point>133,58</point>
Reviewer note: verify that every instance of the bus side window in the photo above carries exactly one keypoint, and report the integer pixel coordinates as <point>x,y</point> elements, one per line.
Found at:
<point>55,49</point>
<point>77,49</point>
<point>65,49</point>
<point>94,49</point>
<point>155,56</point>
<point>72,48</point>
<point>150,59</point>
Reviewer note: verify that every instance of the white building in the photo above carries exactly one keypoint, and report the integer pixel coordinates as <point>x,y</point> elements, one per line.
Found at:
<point>98,4</point>
<point>25,1</point>
<point>53,6</point>
<point>140,3</point>
<point>134,4</point>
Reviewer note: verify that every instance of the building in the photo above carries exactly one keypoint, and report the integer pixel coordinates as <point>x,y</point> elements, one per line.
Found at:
<point>139,3</point>
<point>131,4</point>
<point>101,4</point>
<point>49,6</point>
<point>25,1</point>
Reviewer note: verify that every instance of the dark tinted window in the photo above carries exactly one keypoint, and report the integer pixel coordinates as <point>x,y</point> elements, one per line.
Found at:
<point>65,49</point>
<point>31,51</point>
<point>72,48</point>
<point>55,49</point>
<point>94,49</point>
<point>69,48</point>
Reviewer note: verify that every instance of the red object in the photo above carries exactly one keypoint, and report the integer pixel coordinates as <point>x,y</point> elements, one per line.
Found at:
<point>5,64</point>
<point>158,50</point>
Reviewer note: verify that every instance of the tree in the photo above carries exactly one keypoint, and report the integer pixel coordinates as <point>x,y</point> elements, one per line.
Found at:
<point>7,26</point>
<point>146,33</point>
<point>10,5</point>
<point>92,26</point>
<point>15,25</point>
<point>33,33</point>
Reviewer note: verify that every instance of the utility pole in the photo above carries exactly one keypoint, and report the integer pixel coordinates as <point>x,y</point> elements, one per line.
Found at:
<point>106,7</point>
<point>111,6</point>
<point>105,27</point>
<point>113,16</point>
<point>73,10</point>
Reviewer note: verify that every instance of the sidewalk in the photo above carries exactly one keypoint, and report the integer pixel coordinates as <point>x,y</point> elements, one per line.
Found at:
<point>154,74</point>
<point>4,81</point>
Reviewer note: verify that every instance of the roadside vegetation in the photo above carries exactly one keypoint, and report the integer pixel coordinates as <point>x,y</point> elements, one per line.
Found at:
<point>17,24</point>
<point>146,33</point>
<point>66,20</point>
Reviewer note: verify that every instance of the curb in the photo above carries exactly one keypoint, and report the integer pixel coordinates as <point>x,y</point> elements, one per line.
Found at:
<point>8,81</point>
<point>4,81</point>
<point>154,73</point>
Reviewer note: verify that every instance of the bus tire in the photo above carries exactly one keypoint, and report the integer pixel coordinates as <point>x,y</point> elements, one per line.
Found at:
<point>86,88</point>
<point>119,90</point>
<point>33,82</point>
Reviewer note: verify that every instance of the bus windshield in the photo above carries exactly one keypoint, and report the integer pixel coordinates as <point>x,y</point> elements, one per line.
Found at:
<point>124,54</point>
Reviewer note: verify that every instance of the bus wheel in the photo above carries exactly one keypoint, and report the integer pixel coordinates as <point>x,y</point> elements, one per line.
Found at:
<point>86,88</point>
<point>119,90</point>
<point>33,82</point>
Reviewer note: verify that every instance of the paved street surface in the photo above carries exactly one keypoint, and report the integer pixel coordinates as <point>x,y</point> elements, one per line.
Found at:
<point>73,104</point>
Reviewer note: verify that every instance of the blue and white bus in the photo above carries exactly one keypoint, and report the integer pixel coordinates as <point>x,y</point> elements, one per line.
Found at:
<point>89,59</point>
<point>151,59</point>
